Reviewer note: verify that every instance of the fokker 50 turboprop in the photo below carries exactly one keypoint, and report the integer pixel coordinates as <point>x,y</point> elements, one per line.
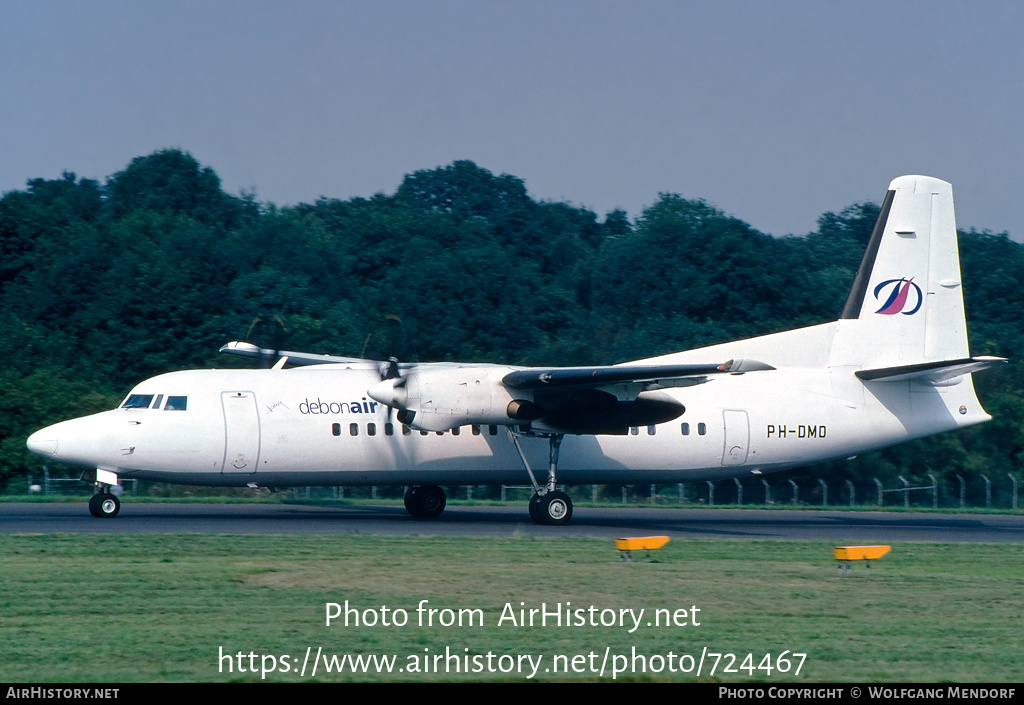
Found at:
<point>894,367</point>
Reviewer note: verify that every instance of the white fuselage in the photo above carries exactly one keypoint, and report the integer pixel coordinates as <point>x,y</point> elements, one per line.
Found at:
<point>317,426</point>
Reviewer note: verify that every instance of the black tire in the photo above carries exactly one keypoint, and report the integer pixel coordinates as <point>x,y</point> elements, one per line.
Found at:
<point>536,513</point>
<point>557,508</point>
<point>551,509</point>
<point>412,501</point>
<point>432,501</point>
<point>104,505</point>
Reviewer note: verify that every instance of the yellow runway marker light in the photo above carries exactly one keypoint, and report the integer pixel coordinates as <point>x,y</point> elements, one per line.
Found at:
<point>860,553</point>
<point>639,543</point>
<point>845,554</point>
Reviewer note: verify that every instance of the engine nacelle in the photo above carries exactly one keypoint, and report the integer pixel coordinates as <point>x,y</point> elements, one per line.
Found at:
<point>593,411</point>
<point>443,398</point>
<point>447,397</point>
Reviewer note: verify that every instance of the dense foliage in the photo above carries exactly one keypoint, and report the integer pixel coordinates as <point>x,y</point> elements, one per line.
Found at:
<point>102,285</point>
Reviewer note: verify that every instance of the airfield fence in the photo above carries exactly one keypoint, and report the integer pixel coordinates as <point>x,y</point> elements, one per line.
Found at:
<point>964,491</point>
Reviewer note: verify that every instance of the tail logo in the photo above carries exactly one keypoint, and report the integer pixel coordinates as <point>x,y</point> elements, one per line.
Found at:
<point>898,298</point>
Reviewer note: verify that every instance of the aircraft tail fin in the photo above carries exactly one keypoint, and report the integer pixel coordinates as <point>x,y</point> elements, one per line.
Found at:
<point>907,299</point>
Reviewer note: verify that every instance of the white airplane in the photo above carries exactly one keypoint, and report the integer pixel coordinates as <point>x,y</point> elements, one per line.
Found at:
<point>894,367</point>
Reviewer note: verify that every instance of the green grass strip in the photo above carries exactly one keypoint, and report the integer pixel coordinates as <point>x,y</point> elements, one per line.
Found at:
<point>148,608</point>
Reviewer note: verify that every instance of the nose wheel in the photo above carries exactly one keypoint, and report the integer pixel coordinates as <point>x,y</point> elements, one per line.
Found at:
<point>104,505</point>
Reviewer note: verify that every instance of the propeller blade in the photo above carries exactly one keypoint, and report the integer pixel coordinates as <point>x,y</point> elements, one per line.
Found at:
<point>392,374</point>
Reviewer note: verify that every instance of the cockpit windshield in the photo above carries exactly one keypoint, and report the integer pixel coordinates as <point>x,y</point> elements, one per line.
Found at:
<point>176,404</point>
<point>146,401</point>
<point>137,401</point>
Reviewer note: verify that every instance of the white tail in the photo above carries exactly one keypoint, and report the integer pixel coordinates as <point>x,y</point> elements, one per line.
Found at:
<point>904,317</point>
<point>907,300</point>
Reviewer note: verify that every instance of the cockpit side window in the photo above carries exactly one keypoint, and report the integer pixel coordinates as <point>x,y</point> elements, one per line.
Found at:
<point>176,404</point>
<point>137,401</point>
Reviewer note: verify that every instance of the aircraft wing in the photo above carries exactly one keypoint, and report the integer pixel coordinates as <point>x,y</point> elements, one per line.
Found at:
<point>583,400</point>
<point>250,350</point>
<point>652,376</point>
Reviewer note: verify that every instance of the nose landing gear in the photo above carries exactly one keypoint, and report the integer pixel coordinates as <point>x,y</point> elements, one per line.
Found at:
<point>104,505</point>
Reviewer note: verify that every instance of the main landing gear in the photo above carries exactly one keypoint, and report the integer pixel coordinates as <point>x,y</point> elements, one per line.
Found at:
<point>548,505</point>
<point>425,501</point>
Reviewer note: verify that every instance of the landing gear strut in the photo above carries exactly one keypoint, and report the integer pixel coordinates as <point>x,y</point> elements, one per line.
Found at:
<point>425,501</point>
<point>548,505</point>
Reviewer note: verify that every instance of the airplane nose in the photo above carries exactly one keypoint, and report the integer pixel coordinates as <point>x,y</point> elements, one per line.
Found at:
<point>43,442</point>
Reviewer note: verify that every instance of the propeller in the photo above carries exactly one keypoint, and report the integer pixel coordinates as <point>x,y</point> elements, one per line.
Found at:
<point>391,391</point>
<point>391,370</point>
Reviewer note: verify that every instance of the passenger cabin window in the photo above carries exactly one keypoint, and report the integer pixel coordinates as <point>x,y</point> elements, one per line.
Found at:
<point>353,429</point>
<point>389,429</point>
<point>176,404</point>
<point>651,430</point>
<point>137,401</point>
<point>702,428</point>
<point>336,429</point>
<point>686,429</point>
<point>371,429</point>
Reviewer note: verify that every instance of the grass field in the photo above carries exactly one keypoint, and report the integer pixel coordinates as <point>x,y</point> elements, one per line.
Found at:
<point>166,607</point>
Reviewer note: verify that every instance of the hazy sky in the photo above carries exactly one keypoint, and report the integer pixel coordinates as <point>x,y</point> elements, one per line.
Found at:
<point>773,111</point>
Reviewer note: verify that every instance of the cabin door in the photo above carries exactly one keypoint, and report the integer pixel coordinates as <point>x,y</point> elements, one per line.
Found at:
<point>241,433</point>
<point>737,437</point>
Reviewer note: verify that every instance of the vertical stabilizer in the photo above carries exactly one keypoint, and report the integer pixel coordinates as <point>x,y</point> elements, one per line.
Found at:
<point>907,300</point>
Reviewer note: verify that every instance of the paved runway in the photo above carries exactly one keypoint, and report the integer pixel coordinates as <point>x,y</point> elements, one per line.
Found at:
<point>838,527</point>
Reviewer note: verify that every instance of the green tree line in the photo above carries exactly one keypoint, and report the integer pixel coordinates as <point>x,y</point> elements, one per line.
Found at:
<point>105,284</point>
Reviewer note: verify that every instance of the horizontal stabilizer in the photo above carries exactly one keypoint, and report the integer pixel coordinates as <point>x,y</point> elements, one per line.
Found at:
<point>941,371</point>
